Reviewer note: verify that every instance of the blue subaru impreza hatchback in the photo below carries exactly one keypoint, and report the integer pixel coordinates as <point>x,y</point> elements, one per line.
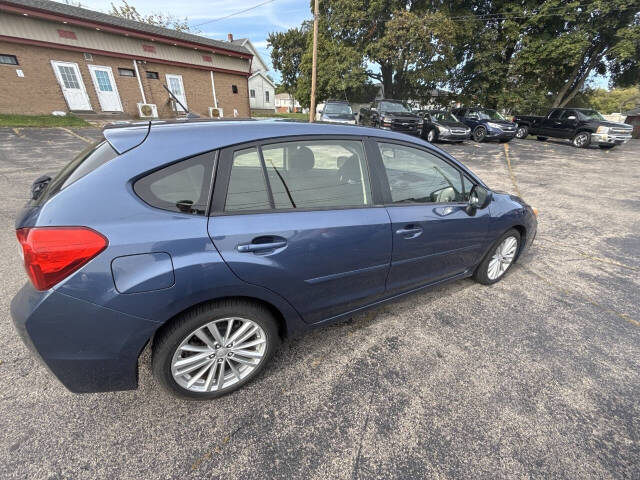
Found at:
<point>214,240</point>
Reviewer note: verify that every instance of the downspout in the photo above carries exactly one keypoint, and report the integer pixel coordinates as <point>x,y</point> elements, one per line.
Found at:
<point>213,88</point>
<point>135,66</point>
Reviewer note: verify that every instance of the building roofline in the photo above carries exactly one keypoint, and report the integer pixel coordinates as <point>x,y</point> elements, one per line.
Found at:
<point>77,16</point>
<point>263,75</point>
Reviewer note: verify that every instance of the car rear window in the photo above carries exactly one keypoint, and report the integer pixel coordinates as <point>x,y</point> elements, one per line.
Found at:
<point>83,164</point>
<point>182,187</point>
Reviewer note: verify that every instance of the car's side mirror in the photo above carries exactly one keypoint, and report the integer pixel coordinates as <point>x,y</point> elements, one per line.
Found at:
<point>39,185</point>
<point>479,198</point>
<point>571,117</point>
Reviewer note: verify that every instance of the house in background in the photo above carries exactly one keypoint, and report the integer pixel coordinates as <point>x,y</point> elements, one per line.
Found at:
<point>58,57</point>
<point>633,119</point>
<point>262,90</point>
<point>285,103</point>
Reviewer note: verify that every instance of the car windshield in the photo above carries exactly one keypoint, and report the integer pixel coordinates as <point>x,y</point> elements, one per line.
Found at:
<point>338,108</point>
<point>490,114</point>
<point>392,107</point>
<point>590,115</point>
<point>443,117</point>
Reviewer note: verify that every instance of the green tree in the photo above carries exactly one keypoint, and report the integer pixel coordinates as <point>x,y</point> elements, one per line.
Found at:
<point>287,49</point>
<point>130,12</point>
<point>404,44</point>
<point>608,101</point>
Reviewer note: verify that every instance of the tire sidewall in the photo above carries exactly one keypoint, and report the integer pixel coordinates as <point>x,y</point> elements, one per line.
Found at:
<point>433,133</point>
<point>481,274</point>
<point>476,134</point>
<point>579,135</point>
<point>524,129</point>
<point>165,346</point>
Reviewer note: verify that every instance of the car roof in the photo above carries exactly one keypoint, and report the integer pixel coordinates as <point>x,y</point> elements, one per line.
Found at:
<point>218,133</point>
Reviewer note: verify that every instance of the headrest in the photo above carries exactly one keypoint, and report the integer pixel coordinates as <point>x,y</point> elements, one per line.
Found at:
<point>301,160</point>
<point>350,169</point>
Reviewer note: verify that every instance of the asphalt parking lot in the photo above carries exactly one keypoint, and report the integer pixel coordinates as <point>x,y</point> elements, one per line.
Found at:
<point>537,376</point>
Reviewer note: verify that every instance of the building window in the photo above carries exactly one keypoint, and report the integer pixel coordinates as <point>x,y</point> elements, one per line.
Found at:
<point>88,57</point>
<point>126,72</point>
<point>234,88</point>
<point>266,96</point>
<point>153,75</point>
<point>67,34</point>
<point>252,93</point>
<point>8,59</point>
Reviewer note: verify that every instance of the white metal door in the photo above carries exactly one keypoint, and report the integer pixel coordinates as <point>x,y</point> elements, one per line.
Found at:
<point>106,88</point>
<point>70,80</point>
<point>174,83</point>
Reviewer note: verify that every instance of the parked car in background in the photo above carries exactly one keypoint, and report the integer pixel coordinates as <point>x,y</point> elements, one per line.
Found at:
<point>582,126</point>
<point>336,111</point>
<point>486,124</point>
<point>214,240</point>
<point>442,125</point>
<point>391,115</point>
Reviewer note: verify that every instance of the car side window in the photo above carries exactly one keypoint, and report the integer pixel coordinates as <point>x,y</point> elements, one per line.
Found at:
<point>568,113</point>
<point>467,185</point>
<point>317,174</point>
<point>555,114</point>
<point>417,176</point>
<point>247,186</point>
<point>182,187</point>
<point>474,115</point>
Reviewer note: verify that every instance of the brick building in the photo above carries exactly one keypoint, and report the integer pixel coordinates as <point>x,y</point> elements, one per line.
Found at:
<point>57,57</point>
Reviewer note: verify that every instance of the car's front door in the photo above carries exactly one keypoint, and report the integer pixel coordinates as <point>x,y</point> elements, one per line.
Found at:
<point>569,123</point>
<point>434,238</point>
<point>298,218</point>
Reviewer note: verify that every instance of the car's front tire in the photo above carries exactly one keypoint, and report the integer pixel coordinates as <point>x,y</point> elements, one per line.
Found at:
<point>500,258</point>
<point>432,135</point>
<point>480,134</point>
<point>581,140</point>
<point>214,349</point>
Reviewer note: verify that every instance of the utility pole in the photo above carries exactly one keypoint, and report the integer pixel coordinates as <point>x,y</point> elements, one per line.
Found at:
<point>314,64</point>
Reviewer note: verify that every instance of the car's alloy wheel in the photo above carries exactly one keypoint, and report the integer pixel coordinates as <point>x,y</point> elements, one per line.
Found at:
<point>502,258</point>
<point>499,259</point>
<point>522,132</point>
<point>214,348</point>
<point>479,134</point>
<point>431,136</point>
<point>582,140</point>
<point>218,354</point>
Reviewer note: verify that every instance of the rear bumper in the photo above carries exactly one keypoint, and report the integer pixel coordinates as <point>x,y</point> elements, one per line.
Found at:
<point>609,139</point>
<point>89,348</point>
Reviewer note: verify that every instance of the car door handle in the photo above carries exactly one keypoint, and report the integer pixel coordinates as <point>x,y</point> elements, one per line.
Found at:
<point>261,247</point>
<point>409,231</point>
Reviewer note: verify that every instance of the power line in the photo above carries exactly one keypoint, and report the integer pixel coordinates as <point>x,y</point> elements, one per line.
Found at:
<point>234,13</point>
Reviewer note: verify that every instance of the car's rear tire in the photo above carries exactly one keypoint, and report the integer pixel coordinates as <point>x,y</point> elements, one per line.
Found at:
<point>522,131</point>
<point>246,339</point>
<point>480,134</point>
<point>606,147</point>
<point>499,259</point>
<point>432,135</point>
<point>581,140</point>
<point>542,139</point>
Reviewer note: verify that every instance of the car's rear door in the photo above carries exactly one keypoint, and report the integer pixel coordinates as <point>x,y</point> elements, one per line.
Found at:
<point>434,238</point>
<point>298,216</point>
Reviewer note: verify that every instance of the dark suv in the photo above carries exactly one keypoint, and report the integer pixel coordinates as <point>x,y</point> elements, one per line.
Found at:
<point>214,240</point>
<point>391,115</point>
<point>486,124</point>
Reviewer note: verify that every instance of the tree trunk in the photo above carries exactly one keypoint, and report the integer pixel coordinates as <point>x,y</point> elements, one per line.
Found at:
<point>565,87</point>
<point>387,80</point>
<point>585,75</point>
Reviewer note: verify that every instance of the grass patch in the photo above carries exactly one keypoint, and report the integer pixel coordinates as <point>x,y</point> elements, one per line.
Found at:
<point>297,116</point>
<point>41,121</point>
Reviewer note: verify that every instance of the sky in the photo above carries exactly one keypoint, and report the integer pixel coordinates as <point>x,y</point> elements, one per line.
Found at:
<point>256,24</point>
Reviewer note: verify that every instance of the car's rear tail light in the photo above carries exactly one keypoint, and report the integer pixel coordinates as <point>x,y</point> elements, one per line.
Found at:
<point>53,253</point>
